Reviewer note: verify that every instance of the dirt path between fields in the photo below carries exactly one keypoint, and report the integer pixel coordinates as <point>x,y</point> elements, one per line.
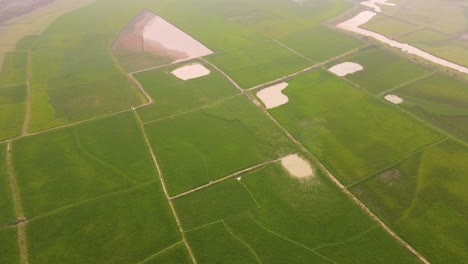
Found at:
<point>327,172</point>
<point>27,114</point>
<point>163,184</point>
<point>18,208</point>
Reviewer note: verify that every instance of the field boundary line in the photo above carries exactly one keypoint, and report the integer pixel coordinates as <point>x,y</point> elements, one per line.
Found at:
<point>288,239</point>
<point>393,164</point>
<point>248,191</point>
<point>18,208</point>
<point>329,175</point>
<point>159,252</point>
<point>191,110</point>
<point>293,51</point>
<point>12,85</point>
<point>72,205</point>
<point>310,68</point>
<point>407,83</point>
<point>363,234</point>
<point>242,242</point>
<point>27,113</point>
<point>237,173</point>
<point>163,184</point>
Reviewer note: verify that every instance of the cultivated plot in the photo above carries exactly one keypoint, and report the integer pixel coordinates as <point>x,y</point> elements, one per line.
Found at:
<point>176,254</point>
<point>259,63</point>
<point>424,198</point>
<point>72,80</point>
<point>313,93</point>
<point>320,43</point>
<point>171,95</point>
<point>8,246</point>
<point>82,162</point>
<point>362,137</point>
<point>440,100</point>
<point>125,227</point>
<point>13,70</point>
<point>12,110</point>
<point>6,203</point>
<point>213,142</point>
<point>214,203</point>
<point>383,70</point>
<point>389,26</point>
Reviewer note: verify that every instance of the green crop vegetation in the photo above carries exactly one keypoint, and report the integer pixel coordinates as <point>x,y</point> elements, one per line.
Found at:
<point>13,71</point>
<point>176,255</point>
<point>440,100</point>
<point>259,63</point>
<point>12,110</point>
<point>214,142</point>
<point>119,228</point>
<point>359,139</point>
<point>373,247</point>
<point>215,244</point>
<point>6,203</point>
<point>388,26</point>
<point>424,198</point>
<point>383,70</point>
<point>313,93</point>
<point>319,43</point>
<point>81,162</point>
<point>8,246</point>
<point>172,95</point>
<point>213,203</point>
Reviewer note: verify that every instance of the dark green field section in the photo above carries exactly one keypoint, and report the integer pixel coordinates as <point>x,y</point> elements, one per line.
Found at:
<point>352,133</point>
<point>174,255</point>
<point>12,110</point>
<point>127,227</point>
<point>13,70</point>
<point>216,244</point>
<point>82,162</point>
<point>172,95</point>
<point>259,63</point>
<point>213,203</point>
<point>313,93</point>
<point>383,70</point>
<point>439,100</point>
<point>269,247</point>
<point>6,202</point>
<point>424,199</point>
<point>205,145</point>
<point>9,252</point>
<point>375,246</point>
<point>319,43</point>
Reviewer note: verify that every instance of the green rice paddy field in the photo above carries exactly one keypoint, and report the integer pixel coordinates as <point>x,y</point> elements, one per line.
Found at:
<point>195,176</point>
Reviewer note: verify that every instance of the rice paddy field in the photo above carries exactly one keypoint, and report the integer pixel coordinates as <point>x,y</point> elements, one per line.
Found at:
<point>131,155</point>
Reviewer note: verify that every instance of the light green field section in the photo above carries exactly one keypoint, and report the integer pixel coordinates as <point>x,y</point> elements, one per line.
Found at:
<point>449,47</point>
<point>172,95</point>
<point>269,247</point>
<point>361,138</point>
<point>82,162</point>
<point>215,244</point>
<point>174,255</point>
<point>389,26</point>
<point>373,247</point>
<point>120,228</point>
<point>319,43</point>
<point>259,63</point>
<point>439,100</point>
<point>424,199</point>
<point>214,203</point>
<point>314,93</point>
<point>213,142</point>
<point>383,70</point>
<point>72,80</point>
<point>12,110</point>
<point>6,203</point>
<point>13,70</point>
<point>9,252</point>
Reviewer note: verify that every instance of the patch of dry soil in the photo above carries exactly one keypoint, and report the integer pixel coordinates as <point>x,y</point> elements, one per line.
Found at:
<point>191,71</point>
<point>297,166</point>
<point>272,96</point>
<point>346,68</point>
